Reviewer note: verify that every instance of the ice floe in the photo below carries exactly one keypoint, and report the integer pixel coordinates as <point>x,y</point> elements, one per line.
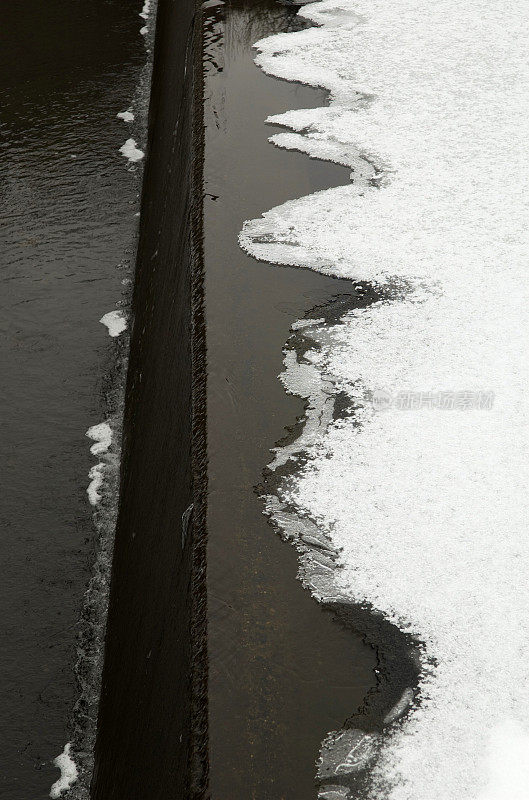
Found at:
<point>131,151</point>
<point>421,492</point>
<point>102,437</point>
<point>115,321</point>
<point>126,116</point>
<point>96,481</point>
<point>68,769</point>
<point>146,10</point>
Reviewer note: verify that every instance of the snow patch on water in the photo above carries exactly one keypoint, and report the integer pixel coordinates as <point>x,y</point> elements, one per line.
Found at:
<point>115,321</point>
<point>508,762</point>
<point>131,151</point>
<point>68,769</point>
<point>96,481</point>
<point>423,503</point>
<point>102,436</point>
<point>126,116</point>
<point>144,13</point>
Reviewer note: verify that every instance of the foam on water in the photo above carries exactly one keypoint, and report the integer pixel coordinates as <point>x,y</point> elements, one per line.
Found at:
<point>115,321</point>
<point>129,149</point>
<point>422,498</point>
<point>68,769</point>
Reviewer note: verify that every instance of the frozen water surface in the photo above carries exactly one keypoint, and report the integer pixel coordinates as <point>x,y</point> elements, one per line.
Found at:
<point>422,497</point>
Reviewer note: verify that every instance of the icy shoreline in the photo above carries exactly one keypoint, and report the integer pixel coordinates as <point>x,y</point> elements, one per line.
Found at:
<point>421,506</point>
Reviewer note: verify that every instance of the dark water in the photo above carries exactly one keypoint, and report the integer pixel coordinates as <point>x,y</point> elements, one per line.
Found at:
<point>67,205</point>
<point>282,672</point>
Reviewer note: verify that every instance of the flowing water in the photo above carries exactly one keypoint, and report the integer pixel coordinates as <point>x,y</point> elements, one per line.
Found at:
<point>67,204</point>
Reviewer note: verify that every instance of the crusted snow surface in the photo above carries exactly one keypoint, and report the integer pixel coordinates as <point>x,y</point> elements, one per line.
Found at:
<point>96,481</point>
<point>423,495</point>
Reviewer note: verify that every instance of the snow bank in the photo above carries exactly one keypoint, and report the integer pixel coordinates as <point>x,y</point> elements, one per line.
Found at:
<point>422,492</point>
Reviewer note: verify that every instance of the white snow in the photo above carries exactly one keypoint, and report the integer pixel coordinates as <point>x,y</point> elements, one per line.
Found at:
<point>144,13</point>
<point>508,756</point>
<point>131,151</point>
<point>115,321</point>
<point>144,31</point>
<point>66,764</point>
<point>96,481</point>
<point>102,436</point>
<point>126,116</point>
<point>427,507</point>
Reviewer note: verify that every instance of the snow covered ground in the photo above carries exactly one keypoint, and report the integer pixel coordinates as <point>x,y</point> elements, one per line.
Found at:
<point>422,493</point>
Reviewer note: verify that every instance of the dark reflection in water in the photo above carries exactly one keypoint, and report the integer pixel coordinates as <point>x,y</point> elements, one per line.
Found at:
<point>282,673</point>
<point>66,68</point>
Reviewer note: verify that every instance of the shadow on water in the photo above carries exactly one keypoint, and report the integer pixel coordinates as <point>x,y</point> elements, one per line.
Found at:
<point>282,671</point>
